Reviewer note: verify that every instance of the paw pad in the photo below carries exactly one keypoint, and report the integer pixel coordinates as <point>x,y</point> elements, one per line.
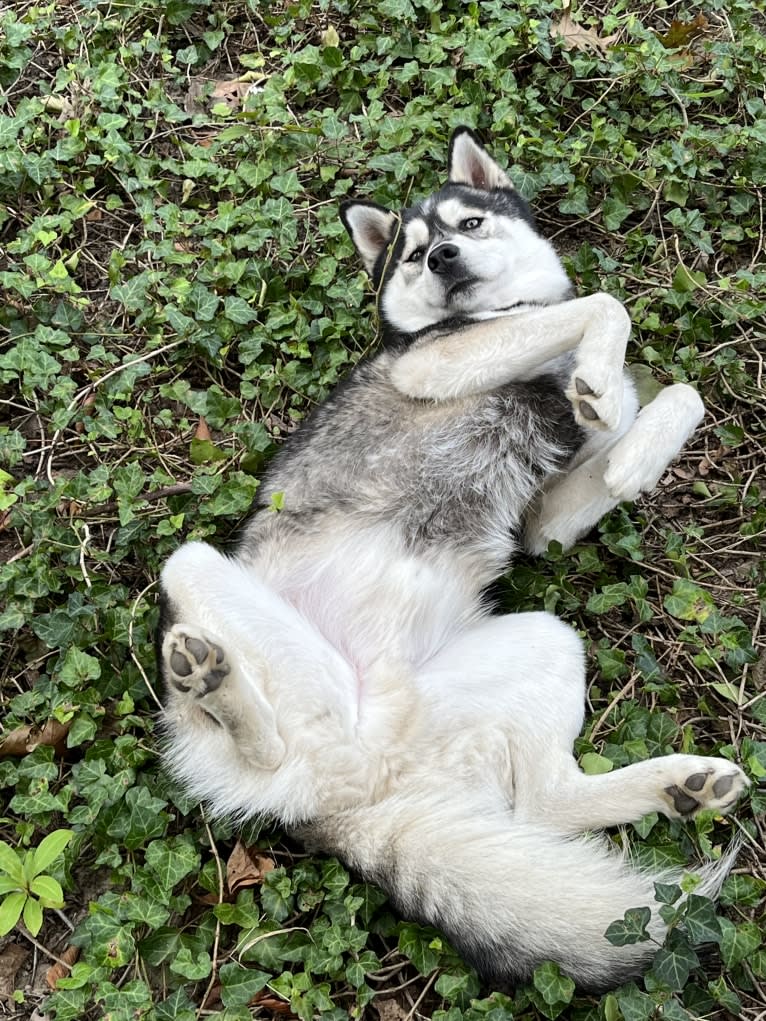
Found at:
<point>194,663</point>
<point>716,786</point>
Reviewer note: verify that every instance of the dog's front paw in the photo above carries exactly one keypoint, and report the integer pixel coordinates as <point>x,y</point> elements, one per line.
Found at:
<point>596,398</point>
<point>194,662</point>
<point>702,782</point>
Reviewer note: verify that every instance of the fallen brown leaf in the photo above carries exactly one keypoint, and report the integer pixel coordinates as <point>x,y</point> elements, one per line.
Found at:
<point>89,402</point>
<point>682,33</point>
<point>246,867</point>
<point>24,740</point>
<point>231,92</point>
<point>269,1002</point>
<point>390,1010</point>
<point>61,970</point>
<point>11,959</point>
<point>575,37</point>
<point>758,672</point>
<point>202,432</point>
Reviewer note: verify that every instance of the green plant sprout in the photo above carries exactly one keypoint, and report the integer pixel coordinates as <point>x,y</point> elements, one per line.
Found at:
<point>24,887</point>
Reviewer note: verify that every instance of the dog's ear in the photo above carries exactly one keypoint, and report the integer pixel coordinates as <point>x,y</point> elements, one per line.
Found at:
<point>471,164</point>
<point>371,228</point>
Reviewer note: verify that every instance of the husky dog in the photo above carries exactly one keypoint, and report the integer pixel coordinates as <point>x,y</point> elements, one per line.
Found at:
<point>340,670</point>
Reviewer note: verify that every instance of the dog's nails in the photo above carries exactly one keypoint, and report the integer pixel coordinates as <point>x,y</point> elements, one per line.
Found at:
<point>587,411</point>
<point>582,387</point>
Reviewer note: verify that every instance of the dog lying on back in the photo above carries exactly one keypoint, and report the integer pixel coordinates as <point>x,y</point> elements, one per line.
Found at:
<point>340,671</point>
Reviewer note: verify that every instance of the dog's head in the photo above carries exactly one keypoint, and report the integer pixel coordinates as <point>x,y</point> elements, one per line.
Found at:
<point>471,249</point>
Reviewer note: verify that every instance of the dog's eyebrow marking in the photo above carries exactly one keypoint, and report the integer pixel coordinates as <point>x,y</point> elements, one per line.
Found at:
<point>451,212</point>
<point>416,234</point>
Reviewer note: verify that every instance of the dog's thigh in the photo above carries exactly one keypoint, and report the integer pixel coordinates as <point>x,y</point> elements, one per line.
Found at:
<point>526,671</point>
<point>675,785</point>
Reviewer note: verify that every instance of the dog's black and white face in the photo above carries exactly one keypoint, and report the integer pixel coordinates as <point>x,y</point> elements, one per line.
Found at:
<point>471,249</point>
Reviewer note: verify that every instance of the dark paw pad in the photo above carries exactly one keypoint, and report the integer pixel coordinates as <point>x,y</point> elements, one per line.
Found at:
<point>582,387</point>
<point>696,781</point>
<point>197,648</point>
<point>723,785</point>
<point>588,412</point>
<point>180,664</point>
<point>196,664</point>
<point>684,803</point>
<point>214,677</point>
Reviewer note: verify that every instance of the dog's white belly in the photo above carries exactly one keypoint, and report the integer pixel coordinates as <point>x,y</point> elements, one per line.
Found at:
<point>373,601</point>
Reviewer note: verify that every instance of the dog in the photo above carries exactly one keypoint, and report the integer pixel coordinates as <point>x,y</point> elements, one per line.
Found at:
<point>340,671</point>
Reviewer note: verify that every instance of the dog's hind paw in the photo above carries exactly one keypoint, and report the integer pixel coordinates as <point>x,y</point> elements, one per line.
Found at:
<point>704,783</point>
<point>630,473</point>
<point>194,662</point>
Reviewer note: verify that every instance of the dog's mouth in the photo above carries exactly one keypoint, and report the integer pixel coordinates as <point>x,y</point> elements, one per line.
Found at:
<point>460,288</point>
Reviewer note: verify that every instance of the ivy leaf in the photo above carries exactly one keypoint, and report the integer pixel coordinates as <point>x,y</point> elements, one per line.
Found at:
<point>238,311</point>
<point>79,667</point>
<point>635,1005</point>
<point>701,921</point>
<point>417,943</point>
<point>738,941</point>
<point>171,863</point>
<point>192,967</point>
<point>554,987</point>
<point>631,928</point>
<point>673,963</point>
<point>667,893</point>
<point>239,984</point>
<point>609,597</point>
<point>688,601</point>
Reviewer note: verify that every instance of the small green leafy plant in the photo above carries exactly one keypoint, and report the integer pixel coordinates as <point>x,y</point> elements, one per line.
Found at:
<point>25,887</point>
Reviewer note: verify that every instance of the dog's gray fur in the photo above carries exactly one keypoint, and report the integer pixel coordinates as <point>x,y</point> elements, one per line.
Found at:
<point>340,671</point>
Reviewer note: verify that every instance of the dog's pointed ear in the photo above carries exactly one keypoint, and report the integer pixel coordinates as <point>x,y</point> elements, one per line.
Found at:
<point>471,164</point>
<point>371,228</point>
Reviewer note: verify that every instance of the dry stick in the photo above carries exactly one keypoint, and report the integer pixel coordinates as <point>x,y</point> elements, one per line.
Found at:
<point>94,386</point>
<point>617,698</point>
<point>133,655</point>
<point>213,973</point>
<point>43,949</point>
<point>422,996</point>
<point>156,494</point>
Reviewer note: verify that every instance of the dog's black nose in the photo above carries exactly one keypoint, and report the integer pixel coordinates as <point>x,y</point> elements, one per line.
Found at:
<point>442,259</point>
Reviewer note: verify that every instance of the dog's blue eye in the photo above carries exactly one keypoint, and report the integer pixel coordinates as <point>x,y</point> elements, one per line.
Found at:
<point>471,223</point>
<point>417,255</point>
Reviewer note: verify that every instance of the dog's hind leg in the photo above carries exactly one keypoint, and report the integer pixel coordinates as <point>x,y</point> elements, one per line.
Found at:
<point>638,459</point>
<point>615,467</point>
<point>524,673</point>
<point>678,786</point>
<point>204,681</point>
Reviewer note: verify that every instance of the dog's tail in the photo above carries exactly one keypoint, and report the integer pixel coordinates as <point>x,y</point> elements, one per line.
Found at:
<point>507,894</point>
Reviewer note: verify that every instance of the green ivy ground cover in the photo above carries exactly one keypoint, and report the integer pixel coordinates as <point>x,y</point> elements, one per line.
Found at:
<point>177,291</point>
